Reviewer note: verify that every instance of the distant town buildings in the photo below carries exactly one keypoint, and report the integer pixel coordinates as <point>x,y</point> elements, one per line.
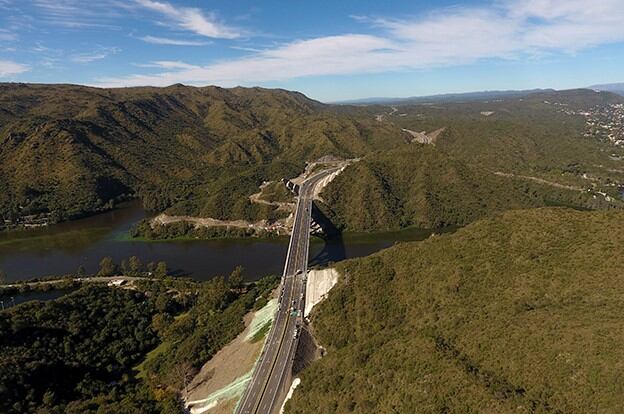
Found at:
<point>605,122</point>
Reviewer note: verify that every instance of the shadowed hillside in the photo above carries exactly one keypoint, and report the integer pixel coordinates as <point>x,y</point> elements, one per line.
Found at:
<point>69,150</point>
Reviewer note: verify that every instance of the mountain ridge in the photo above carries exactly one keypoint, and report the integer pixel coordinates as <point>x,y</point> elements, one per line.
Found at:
<point>444,97</point>
<point>163,144</point>
<point>68,151</point>
<point>610,87</point>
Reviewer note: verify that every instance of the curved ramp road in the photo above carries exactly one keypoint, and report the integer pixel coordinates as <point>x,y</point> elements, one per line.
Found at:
<point>272,375</point>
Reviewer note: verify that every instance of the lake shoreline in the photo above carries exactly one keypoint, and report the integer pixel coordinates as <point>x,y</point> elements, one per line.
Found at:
<point>64,248</point>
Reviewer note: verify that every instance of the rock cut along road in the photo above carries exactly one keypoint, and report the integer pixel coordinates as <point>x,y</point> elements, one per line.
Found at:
<point>272,374</point>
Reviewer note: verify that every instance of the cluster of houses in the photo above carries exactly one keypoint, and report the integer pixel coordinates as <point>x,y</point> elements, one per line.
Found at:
<point>605,122</point>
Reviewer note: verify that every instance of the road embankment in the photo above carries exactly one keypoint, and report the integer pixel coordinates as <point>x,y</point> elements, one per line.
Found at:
<point>318,285</point>
<point>222,380</point>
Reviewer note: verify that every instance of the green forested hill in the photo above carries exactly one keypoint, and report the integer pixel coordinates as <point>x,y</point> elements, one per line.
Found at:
<point>516,314</point>
<point>70,149</point>
<point>534,134</point>
<point>421,186</point>
<point>109,350</point>
<point>490,157</point>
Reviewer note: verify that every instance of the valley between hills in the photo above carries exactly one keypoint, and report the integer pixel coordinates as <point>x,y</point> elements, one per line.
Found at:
<point>514,310</point>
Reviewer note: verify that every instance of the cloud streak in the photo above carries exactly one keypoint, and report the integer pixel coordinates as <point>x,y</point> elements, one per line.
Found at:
<point>169,64</point>
<point>6,36</point>
<point>76,14</point>
<point>96,55</point>
<point>191,19</point>
<point>509,29</point>
<point>173,42</point>
<point>10,68</point>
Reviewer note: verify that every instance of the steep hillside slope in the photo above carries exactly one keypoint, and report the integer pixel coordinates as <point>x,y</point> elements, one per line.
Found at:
<point>419,185</point>
<point>516,314</point>
<point>69,150</point>
<point>491,155</point>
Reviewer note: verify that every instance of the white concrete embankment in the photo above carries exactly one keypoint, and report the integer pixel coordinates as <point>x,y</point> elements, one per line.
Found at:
<point>319,284</point>
<point>294,384</point>
<point>324,182</point>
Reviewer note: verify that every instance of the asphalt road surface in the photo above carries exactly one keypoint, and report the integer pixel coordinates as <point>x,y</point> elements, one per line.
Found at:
<point>272,374</point>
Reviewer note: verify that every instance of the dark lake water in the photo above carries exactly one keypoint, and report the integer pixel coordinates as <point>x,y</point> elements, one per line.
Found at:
<point>62,248</point>
<point>14,300</point>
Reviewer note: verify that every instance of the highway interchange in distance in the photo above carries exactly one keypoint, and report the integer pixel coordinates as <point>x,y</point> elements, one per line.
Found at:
<point>273,372</point>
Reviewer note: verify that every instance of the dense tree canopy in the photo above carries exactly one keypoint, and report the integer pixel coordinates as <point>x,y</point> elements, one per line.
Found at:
<point>516,314</point>
<point>78,354</point>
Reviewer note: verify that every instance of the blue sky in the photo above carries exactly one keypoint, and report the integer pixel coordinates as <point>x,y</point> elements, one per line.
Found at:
<point>329,50</point>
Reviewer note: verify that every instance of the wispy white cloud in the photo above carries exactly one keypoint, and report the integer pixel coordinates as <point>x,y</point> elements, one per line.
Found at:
<point>168,64</point>
<point>6,5</point>
<point>98,54</point>
<point>77,14</point>
<point>192,19</point>
<point>10,68</point>
<point>507,29</point>
<point>174,42</point>
<point>40,48</point>
<point>322,56</point>
<point>7,36</point>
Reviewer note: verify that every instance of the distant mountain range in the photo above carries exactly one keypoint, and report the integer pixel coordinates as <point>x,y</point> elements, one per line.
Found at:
<point>447,97</point>
<point>610,87</point>
<point>471,96</point>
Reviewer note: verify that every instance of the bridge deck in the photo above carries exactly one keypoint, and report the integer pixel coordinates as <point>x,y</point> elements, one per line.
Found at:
<point>272,374</point>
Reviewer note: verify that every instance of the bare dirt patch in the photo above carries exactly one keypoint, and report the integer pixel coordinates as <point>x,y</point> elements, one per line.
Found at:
<point>279,227</point>
<point>281,205</point>
<point>423,137</point>
<point>222,380</point>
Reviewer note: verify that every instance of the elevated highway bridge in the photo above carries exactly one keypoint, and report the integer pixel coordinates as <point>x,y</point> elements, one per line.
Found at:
<point>272,375</point>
